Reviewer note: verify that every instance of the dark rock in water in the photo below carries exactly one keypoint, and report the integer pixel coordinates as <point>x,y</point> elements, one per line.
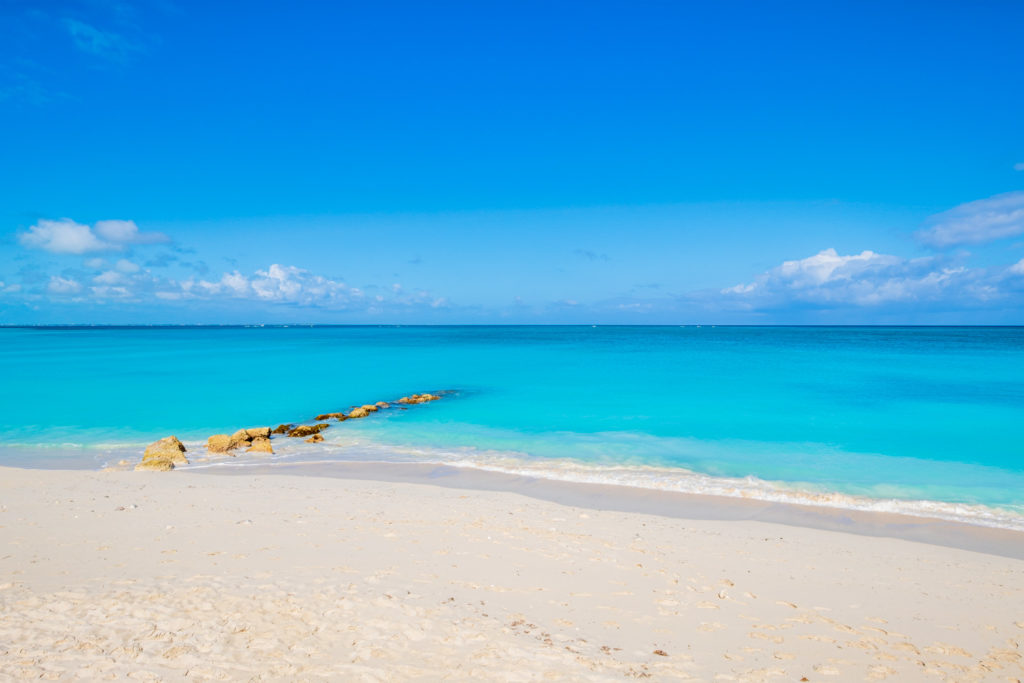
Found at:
<point>332,416</point>
<point>316,438</point>
<point>308,430</point>
<point>162,455</point>
<point>283,429</point>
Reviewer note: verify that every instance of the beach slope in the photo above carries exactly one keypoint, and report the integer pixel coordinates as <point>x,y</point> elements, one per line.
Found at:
<point>273,577</point>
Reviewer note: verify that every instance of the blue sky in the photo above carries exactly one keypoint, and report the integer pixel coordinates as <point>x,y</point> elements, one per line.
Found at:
<point>164,161</point>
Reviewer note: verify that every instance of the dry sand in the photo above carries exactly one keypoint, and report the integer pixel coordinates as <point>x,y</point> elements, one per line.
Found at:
<point>171,575</point>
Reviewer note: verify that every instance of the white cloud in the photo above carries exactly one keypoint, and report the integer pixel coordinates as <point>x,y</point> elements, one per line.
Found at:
<point>61,237</point>
<point>65,236</point>
<point>983,220</point>
<point>126,266</point>
<point>96,263</point>
<point>63,286</point>
<point>865,279</point>
<point>1018,267</point>
<point>110,277</point>
<point>127,232</point>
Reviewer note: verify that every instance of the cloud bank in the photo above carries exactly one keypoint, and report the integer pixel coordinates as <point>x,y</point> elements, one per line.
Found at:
<point>828,279</point>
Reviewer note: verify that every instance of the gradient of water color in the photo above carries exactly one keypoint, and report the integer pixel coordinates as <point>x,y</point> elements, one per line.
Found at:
<point>924,420</point>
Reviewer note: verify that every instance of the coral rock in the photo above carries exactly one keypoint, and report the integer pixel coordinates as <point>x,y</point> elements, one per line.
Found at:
<point>220,443</point>
<point>258,433</point>
<point>155,466</point>
<point>370,408</point>
<point>418,398</point>
<point>168,448</point>
<point>261,444</point>
<point>358,412</point>
<point>332,416</point>
<point>283,429</point>
<point>316,438</point>
<point>308,430</point>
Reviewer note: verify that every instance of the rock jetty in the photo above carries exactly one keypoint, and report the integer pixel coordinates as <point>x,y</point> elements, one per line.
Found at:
<point>162,455</point>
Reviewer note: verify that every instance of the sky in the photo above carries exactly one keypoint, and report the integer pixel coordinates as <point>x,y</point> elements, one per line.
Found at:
<point>169,161</point>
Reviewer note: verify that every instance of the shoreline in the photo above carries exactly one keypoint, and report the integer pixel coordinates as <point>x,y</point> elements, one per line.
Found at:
<point>670,504</point>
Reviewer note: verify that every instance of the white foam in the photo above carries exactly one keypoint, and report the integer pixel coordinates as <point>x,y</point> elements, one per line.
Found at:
<point>673,479</point>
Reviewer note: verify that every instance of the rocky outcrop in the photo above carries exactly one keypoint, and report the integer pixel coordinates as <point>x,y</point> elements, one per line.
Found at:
<point>370,408</point>
<point>358,412</point>
<point>155,466</point>
<point>243,438</point>
<point>261,444</point>
<point>332,416</point>
<point>308,430</point>
<point>316,438</point>
<point>163,455</point>
<point>418,398</point>
<point>383,404</point>
<point>283,429</point>
<point>220,443</point>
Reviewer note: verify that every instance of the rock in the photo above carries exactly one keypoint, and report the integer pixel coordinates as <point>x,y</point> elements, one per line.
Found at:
<point>220,443</point>
<point>168,448</point>
<point>383,404</point>
<point>358,412</point>
<point>155,466</point>
<point>370,408</point>
<point>332,416</point>
<point>261,444</point>
<point>258,432</point>
<point>283,429</point>
<point>241,437</point>
<point>308,430</point>
<point>316,438</point>
<point>418,398</point>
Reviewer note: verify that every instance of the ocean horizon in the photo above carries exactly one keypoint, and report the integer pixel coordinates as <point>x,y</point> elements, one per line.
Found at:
<point>922,420</point>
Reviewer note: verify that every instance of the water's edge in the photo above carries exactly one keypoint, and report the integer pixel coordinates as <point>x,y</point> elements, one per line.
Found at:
<point>963,536</point>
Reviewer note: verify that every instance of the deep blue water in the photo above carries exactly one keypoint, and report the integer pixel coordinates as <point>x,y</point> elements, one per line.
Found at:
<point>932,414</point>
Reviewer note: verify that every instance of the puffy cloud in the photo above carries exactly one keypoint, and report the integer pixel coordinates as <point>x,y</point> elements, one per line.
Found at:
<point>65,236</point>
<point>62,237</point>
<point>1018,267</point>
<point>975,222</point>
<point>63,286</point>
<point>110,277</point>
<point>865,279</point>
<point>126,266</point>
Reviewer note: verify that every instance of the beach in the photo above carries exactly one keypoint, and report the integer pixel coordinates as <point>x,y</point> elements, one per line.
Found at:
<point>295,576</point>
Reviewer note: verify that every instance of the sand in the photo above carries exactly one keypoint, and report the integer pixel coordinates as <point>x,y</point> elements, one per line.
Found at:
<point>278,577</point>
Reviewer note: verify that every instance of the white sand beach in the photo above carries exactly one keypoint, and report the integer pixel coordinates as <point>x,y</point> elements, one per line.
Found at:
<point>141,575</point>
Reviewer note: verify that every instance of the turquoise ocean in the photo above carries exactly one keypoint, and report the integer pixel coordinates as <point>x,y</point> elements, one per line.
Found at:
<point>922,420</point>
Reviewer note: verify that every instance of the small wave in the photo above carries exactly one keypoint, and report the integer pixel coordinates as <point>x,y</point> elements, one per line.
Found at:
<point>670,479</point>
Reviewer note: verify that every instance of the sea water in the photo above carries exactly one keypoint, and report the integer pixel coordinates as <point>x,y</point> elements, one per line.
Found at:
<point>924,420</point>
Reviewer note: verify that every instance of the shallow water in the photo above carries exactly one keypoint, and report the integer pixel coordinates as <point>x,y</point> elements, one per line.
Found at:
<point>927,420</point>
